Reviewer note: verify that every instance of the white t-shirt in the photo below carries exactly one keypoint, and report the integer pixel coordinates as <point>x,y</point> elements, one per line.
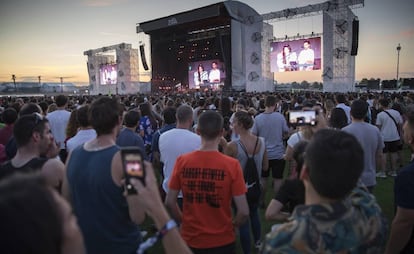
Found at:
<point>295,138</point>
<point>80,138</point>
<point>214,76</point>
<point>172,144</point>
<point>58,121</point>
<point>388,129</point>
<point>306,59</point>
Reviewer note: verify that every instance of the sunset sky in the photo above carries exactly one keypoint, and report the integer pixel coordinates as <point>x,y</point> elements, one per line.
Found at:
<point>48,37</point>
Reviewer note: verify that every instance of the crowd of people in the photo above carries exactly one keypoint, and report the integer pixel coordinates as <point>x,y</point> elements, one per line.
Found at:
<point>64,153</point>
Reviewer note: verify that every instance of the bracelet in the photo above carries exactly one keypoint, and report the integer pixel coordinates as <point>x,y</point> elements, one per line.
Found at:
<point>158,236</point>
<point>167,227</point>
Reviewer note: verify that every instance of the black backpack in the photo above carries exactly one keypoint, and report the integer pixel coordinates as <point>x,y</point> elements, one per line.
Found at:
<point>251,177</point>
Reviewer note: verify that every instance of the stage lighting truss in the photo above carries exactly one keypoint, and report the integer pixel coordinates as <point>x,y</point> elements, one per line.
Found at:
<point>257,37</point>
<point>327,73</point>
<point>254,58</point>
<point>253,76</point>
<point>341,26</point>
<point>340,52</point>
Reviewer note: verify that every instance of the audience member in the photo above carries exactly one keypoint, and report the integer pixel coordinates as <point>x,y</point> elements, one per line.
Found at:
<point>253,146</point>
<point>85,133</point>
<point>35,219</point>
<point>169,123</point>
<point>272,127</point>
<point>58,122</point>
<point>209,181</point>
<point>370,139</point>
<point>127,136</point>
<point>171,144</point>
<point>292,191</point>
<point>148,125</point>
<point>9,116</point>
<point>389,122</point>
<point>34,139</point>
<point>340,103</point>
<point>26,109</point>
<point>336,213</point>
<point>93,184</point>
<point>401,236</point>
<point>338,118</point>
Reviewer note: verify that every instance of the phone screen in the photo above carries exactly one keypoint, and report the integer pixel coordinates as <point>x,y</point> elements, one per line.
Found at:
<point>132,159</point>
<point>300,118</point>
<point>133,165</point>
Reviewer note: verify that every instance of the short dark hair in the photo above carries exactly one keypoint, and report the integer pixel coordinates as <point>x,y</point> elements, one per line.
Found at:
<point>184,113</point>
<point>82,116</point>
<point>210,124</point>
<point>61,100</point>
<point>244,119</point>
<point>9,115</point>
<point>27,200</point>
<point>340,98</point>
<point>43,105</point>
<point>335,161</point>
<point>270,101</point>
<point>338,118</point>
<point>26,125</point>
<point>384,102</point>
<point>104,114</point>
<point>169,115</point>
<point>29,108</point>
<point>131,118</point>
<point>359,109</point>
<point>243,102</point>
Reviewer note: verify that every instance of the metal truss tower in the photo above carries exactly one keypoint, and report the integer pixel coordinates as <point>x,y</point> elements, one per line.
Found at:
<point>338,73</point>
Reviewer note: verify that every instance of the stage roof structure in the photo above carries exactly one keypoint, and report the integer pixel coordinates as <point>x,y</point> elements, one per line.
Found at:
<point>233,9</point>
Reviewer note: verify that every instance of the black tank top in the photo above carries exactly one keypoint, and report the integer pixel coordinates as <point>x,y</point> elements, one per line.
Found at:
<point>34,165</point>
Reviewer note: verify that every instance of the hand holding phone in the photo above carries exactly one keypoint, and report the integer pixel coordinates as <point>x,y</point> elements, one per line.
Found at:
<point>133,167</point>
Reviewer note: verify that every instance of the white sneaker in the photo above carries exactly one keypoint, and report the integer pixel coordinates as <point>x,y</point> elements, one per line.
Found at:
<point>258,245</point>
<point>381,175</point>
<point>392,173</point>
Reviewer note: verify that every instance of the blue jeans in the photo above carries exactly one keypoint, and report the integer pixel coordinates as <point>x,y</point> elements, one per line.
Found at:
<point>244,230</point>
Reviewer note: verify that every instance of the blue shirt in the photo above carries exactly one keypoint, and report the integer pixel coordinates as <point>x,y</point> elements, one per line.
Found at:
<point>128,137</point>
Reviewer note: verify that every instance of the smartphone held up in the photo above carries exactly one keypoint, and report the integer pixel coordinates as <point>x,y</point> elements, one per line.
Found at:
<point>133,167</point>
<point>301,118</point>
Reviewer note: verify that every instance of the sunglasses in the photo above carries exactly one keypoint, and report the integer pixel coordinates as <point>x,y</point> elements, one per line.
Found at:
<point>38,119</point>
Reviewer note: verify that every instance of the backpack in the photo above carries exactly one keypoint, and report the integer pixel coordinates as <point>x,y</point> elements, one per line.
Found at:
<point>251,177</point>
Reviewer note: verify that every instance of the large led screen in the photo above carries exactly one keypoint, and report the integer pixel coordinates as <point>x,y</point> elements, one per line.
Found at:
<point>296,55</point>
<point>208,74</point>
<point>108,74</point>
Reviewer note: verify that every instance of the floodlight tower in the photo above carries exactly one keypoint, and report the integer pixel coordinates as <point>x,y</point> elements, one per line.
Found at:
<point>398,60</point>
<point>14,82</point>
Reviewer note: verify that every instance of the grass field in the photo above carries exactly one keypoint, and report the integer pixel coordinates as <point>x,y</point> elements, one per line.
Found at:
<point>383,192</point>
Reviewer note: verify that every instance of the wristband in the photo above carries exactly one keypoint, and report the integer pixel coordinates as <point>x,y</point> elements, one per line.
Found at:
<point>167,227</point>
<point>158,236</point>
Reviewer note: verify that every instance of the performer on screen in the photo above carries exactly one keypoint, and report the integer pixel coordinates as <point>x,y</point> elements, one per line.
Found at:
<point>287,60</point>
<point>214,75</point>
<point>200,76</point>
<point>306,57</point>
<point>113,75</point>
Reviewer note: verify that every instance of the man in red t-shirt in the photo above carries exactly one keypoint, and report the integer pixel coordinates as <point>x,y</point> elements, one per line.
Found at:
<point>209,181</point>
